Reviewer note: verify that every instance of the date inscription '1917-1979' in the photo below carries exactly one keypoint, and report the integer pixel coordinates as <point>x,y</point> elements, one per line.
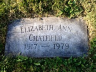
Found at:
<point>55,46</point>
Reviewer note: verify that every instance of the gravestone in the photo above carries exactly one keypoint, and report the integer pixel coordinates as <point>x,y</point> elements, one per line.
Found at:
<point>47,37</point>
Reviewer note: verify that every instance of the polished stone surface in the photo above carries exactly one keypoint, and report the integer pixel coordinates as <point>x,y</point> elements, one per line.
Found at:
<point>47,37</point>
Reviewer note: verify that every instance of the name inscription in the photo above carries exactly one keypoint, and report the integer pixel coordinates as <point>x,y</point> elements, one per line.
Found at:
<point>25,29</point>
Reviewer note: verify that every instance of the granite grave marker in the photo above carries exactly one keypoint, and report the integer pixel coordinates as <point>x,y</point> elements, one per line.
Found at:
<point>47,37</point>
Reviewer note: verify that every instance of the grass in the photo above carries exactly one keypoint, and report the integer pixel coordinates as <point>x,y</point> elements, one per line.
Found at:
<point>11,10</point>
